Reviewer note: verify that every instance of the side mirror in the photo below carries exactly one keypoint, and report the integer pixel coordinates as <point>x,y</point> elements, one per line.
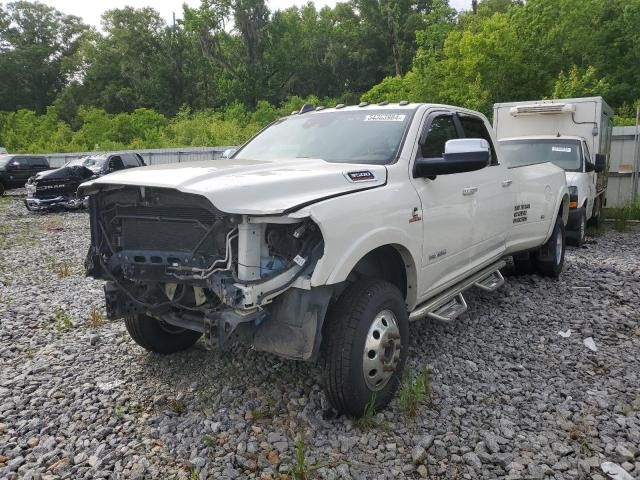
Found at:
<point>229,152</point>
<point>589,167</point>
<point>462,155</point>
<point>601,162</point>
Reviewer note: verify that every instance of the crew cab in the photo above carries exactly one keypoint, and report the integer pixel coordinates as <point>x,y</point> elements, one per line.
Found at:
<point>16,169</point>
<point>322,237</point>
<point>57,189</point>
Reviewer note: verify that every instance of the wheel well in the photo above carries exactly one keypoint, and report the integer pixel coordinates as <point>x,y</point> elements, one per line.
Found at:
<point>384,262</point>
<point>564,210</point>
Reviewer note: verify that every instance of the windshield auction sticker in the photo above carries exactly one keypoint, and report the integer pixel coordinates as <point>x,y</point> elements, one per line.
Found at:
<point>385,117</point>
<point>561,149</point>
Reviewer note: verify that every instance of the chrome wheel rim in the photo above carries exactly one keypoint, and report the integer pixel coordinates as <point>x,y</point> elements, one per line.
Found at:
<point>559,246</point>
<point>381,350</point>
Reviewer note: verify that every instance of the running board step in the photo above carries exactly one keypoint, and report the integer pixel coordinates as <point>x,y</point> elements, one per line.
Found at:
<point>450,304</point>
<point>491,282</point>
<point>450,310</point>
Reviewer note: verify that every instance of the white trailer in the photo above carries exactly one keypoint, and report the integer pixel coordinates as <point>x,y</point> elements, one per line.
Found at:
<point>573,133</point>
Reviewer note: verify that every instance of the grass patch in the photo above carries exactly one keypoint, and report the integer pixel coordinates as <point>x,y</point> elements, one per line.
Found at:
<point>621,216</point>
<point>96,318</point>
<point>177,406</point>
<point>63,269</point>
<point>62,319</point>
<point>301,470</point>
<point>208,441</point>
<point>194,475</point>
<point>414,391</point>
<point>367,421</point>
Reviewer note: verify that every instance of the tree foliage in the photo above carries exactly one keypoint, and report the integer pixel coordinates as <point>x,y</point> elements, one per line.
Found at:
<point>230,66</point>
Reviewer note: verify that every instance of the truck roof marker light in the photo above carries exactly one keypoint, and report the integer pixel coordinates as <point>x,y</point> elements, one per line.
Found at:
<point>404,102</point>
<point>363,104</point>
<point>542,109</point>
<point>340,105</point>
<point>382,104</point>
<point>320,108</point>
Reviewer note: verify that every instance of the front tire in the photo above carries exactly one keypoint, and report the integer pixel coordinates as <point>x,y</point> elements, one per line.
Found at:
<point>550,258</point>
<point>596,216</point>
<point>579,235</point>
<point>159,337</point>
<point>365,346</point>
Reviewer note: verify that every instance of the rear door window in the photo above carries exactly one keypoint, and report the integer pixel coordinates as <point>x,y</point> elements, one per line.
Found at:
<point>130,160</point>
<point>38,162</point>
<point>474,127</point>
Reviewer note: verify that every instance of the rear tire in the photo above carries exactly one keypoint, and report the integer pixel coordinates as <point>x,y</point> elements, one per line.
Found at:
<point>159,337</point>
<point>1,189</point>
<point>550,258</point>
<point>365,346</point>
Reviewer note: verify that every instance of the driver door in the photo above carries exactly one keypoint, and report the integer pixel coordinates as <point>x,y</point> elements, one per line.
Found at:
<point>446,211</point>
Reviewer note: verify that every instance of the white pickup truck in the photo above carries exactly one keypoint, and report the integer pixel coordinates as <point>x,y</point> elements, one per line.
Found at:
<point>322,237</point>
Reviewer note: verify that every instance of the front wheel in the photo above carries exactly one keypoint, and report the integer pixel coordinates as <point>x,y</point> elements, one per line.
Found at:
<point>365,346</point>
<point>550,258</point>
<point>157,336</point>
<point>596,217</point>
<point>579,235</point>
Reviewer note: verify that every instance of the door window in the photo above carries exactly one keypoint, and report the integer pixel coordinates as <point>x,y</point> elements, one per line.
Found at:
<point>586,154</point>
<point>475,127</point>
<point>130,161</point>
<point>116,163</point>
<point>20,163</point>
<point>441,130</point>
<point>38,162</point>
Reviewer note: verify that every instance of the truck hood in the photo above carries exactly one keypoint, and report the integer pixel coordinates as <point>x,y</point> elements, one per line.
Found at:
<point>249,186</point>
<point>75,173</point>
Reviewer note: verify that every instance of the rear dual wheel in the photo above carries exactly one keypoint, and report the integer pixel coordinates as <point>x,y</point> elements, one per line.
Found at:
<point>548,261</point>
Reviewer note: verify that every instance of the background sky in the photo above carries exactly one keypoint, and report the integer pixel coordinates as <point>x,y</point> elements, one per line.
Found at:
<point>90,12</point>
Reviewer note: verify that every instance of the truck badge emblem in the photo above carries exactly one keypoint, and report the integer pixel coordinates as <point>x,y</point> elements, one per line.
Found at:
<point>415,216</point>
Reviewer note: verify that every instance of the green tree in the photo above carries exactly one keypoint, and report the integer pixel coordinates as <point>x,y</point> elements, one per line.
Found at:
<point>37,46</point>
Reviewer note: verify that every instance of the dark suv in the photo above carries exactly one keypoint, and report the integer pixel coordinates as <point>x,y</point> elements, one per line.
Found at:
<point>15,170</point>
<point>56,189</point>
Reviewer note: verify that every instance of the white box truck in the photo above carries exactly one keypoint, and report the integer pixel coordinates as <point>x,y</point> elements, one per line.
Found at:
<point>572,133</point>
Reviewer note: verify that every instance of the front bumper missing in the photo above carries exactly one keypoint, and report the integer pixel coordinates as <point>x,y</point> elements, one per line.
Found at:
<point>40,204</point>
<point>220,328</point>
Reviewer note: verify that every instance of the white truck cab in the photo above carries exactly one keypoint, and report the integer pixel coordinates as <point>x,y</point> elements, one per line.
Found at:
<point>574,134</point>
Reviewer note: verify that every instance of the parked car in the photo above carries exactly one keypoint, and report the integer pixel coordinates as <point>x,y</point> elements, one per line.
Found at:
<point>16,169</point>
<point>322,237</point>
<point>57,189</point>
<point>574,134</point>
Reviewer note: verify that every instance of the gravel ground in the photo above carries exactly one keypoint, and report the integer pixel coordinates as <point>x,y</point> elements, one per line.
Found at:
<point>510,397</point>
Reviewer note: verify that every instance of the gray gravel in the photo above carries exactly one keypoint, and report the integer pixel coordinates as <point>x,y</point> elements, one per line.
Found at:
<point>510,397</point>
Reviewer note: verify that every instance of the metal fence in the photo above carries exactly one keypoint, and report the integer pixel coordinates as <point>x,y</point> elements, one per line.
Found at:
<point>151,157</point>
<point>625,155</point>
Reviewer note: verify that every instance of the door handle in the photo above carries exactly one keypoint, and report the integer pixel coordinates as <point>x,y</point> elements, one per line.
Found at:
<point>507,183</point>
<point>469,190</point>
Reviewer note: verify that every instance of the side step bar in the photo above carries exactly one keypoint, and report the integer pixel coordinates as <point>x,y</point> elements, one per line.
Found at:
<point>450,304</point>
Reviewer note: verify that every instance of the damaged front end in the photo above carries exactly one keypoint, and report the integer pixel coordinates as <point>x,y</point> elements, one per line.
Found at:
<point>175,257</point>
<point>56,189</point>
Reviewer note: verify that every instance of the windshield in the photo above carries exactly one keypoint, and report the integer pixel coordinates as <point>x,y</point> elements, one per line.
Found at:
<point>363,136</point>
<point>563,153</point>
<point>93,163</point>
